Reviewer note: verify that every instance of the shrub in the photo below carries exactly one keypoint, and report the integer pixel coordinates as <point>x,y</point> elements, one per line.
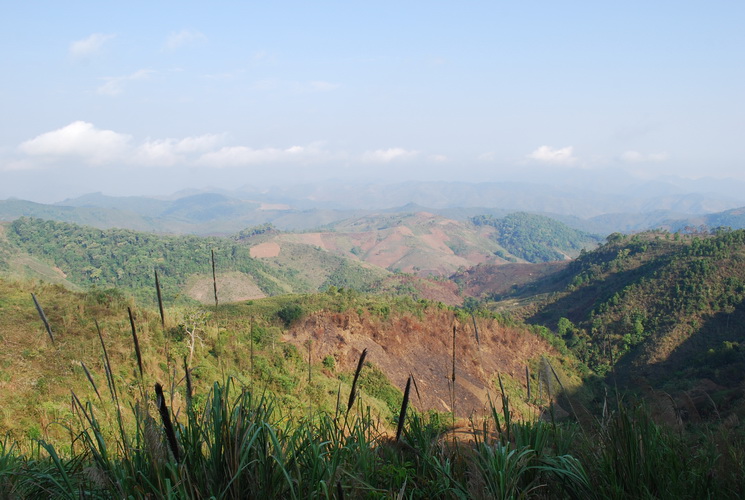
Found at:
<point>290,313</point>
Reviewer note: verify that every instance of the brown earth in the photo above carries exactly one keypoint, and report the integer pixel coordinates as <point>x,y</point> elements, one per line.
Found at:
<point>265,250</point>
<point>503,279</point>
<point>435,290</point>
<point>231,287</point>
<point>422,347</point>
<point>416,243</point>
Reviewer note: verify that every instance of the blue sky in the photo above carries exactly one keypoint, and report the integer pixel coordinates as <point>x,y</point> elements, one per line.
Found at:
<point>152,97</point>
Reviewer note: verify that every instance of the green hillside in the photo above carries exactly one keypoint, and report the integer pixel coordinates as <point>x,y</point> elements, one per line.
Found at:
<point>666,307</point>
<point>126,259</point>
<point>537,238</point>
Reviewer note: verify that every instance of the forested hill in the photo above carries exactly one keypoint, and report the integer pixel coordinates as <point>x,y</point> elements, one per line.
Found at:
<point>537,238</point>
<point>126,259</point>
<point>657,305</point>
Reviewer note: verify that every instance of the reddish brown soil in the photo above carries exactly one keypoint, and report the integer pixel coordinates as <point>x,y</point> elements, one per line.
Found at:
<point>265,250</point>
<point>406,344</point>
<point>502,279</point>
<point>423,288</point>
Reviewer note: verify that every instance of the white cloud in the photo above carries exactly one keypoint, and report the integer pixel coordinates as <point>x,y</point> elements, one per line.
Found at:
<point>83,143</point>
<point>387,155</point>
<point>438,158</point>
<point>637,157</point>
<point>236,156</point>
<point>548,154</point>
<point>90,46</point>
<point>183,38</point>
<point>490,156</point>
<point>166,152</point>
<point>81,139</point>
<point>115,84</point>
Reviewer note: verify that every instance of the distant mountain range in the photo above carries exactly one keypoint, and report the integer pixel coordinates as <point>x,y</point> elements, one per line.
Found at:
<point>602,210</point>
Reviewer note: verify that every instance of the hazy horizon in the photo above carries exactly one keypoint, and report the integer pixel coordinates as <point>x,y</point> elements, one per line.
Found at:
<point>144,99</point>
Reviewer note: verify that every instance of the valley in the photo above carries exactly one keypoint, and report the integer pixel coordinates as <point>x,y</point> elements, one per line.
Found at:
<point>517,318</point>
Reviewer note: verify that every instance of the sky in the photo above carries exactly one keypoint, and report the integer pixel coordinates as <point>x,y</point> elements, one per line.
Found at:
<point>153,97</point>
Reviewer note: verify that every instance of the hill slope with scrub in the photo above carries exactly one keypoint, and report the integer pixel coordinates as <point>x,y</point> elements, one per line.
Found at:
<point>657,308</point>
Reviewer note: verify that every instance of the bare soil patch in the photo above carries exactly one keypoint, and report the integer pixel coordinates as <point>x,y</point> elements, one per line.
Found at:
<point>265,250</point>
<point>231,287</point>
<point>422,347</point>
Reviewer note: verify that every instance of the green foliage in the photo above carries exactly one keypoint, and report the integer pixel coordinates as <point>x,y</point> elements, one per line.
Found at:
<point>290,313</point>
<point>256,438</point>
<point>125,259</point>
<point>626,297</point>
<point>265,228</point>
<point>329,362</point>
<point>536,238</point>
<point>374,383</point>
<point>348,275</point>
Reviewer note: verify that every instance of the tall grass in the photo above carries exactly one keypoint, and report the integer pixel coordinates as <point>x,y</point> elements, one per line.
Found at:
<point>239,444</point>
<point>231,441</point>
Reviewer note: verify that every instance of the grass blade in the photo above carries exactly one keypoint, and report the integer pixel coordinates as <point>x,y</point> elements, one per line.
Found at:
<point>90,379</point>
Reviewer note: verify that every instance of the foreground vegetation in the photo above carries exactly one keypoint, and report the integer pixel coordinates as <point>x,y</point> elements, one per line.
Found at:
<point>240,444</point>
<point>266,433</point>
<point>89,417</point>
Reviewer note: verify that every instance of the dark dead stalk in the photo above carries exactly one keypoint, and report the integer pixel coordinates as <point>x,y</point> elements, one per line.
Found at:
<point>90,379</point>
<point>571,406</point>
<point>454,330</point>
<point>112,389</point>
<point>404,407</point>
<point>416,389</point>
<point>527,380</point>
<point>136,341</point>
<point>107,366</point>
<point>81,408</point>
<point>353,393</point>
<point>252,347</point>
<point>160,300</point>
<point>214,276</point>
<point>43,318</point>
<point>187,375</point>
<point>167,425</point>
<point>476,329</point>
<point>452,387</point>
